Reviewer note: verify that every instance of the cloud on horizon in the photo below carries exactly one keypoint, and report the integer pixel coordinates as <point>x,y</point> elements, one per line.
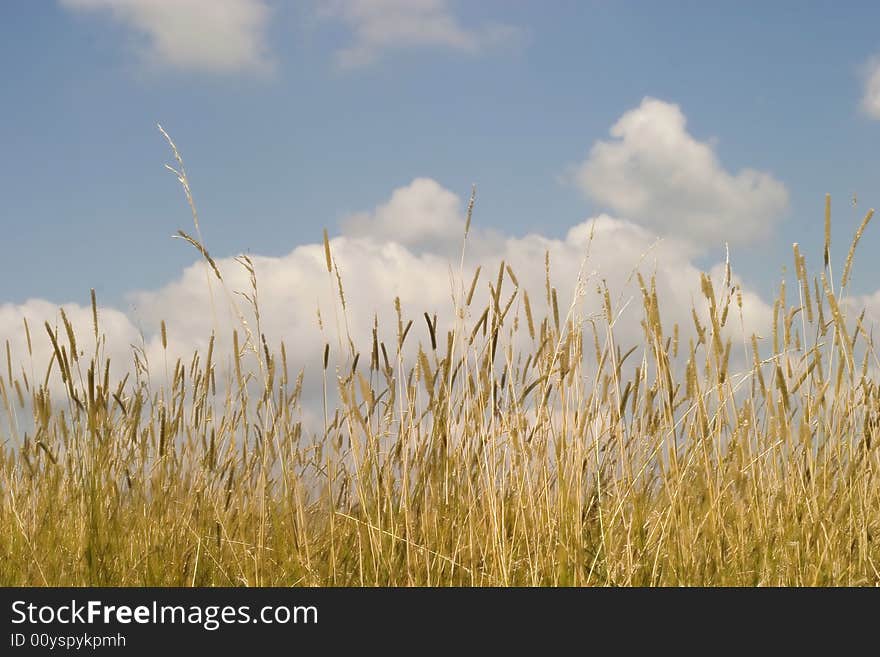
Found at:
<point>409,247</point>
<point>375,269</point>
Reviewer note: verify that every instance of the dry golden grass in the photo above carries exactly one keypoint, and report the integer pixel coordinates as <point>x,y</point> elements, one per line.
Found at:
<point>576,461</point>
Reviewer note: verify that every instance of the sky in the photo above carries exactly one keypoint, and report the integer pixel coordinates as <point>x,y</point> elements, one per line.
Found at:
<point>674,128</point>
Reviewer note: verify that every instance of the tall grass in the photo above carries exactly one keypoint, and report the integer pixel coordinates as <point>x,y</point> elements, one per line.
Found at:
<point>576,460</point>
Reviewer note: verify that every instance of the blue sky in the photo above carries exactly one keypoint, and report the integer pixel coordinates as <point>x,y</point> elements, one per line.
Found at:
<point>292,117</point>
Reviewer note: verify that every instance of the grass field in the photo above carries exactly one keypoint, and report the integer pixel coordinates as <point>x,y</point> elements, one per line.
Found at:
<point>572,461</point>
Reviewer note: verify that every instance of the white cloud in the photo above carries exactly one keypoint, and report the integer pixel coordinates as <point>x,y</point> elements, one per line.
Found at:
<point>419,215</point>
<point>118,329</point>
<point>382,25</point>
<point>656,173</point>
<point>871,97</point>
<point>217,36</point>
<point>400,249</point>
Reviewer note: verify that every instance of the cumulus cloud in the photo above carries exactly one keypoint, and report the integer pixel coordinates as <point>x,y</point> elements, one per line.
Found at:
<point>382,25</point>
<point>871,97</point>
<point>32,357</point>
<point>653,171</point>
<point>384,254</point>
<point>217,36</point>
<point>422,214</point>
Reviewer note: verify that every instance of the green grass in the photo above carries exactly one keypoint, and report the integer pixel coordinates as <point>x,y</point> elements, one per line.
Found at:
<point>572,461</point>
